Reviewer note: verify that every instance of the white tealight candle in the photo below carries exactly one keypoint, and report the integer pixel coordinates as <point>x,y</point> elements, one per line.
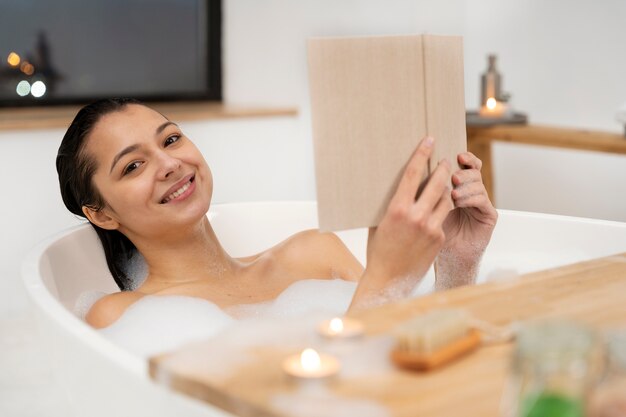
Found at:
<point>493,108</point>
<point>340,328</point>
<point>311,365</point>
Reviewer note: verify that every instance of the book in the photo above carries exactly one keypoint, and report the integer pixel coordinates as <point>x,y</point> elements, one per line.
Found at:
<point>372,101</point>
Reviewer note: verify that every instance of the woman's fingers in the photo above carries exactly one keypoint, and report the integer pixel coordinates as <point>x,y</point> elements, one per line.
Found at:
<point>464,176</point>
<point>435,195</point>
<point>470,183</point>
<point>477,201</point>
<point>469,160</point>
<point>442,209</point>
<point>413,173</point>
<point>468,190</point>
<point>437,186</point>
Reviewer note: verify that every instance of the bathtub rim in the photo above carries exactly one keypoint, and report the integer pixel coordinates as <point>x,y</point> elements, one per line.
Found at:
<point>54,310</point>
<point>47,304</point>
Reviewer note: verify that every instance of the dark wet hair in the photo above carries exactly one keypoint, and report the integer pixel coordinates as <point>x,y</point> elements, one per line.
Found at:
<point>76,169</point>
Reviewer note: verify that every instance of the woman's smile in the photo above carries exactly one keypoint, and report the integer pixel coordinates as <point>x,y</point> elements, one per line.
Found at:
<point>180,191</point>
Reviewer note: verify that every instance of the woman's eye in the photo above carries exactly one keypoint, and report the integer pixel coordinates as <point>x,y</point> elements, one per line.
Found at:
<point>131,167</point>
<point>171,139</point>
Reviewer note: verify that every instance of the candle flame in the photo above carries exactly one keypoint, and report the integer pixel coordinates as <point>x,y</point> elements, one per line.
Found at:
<point>336,325</point>
<point>310,360</point>
<point>491,103</point>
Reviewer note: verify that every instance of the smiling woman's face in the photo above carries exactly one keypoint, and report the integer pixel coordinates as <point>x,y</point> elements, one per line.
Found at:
<point>152,177</point>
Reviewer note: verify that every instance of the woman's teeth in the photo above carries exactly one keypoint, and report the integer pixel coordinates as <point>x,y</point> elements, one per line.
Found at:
<point>177,192</point>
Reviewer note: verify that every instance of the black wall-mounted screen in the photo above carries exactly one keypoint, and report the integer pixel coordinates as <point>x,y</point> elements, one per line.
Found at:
<point>75,51</point>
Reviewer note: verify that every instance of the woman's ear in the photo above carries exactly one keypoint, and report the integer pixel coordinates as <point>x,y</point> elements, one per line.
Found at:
<point>100,218</point>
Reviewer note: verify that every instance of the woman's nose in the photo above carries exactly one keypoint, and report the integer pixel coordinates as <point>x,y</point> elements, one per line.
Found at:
<point>167,164</point>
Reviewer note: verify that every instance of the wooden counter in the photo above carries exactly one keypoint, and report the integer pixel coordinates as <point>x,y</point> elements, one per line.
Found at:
<point>479,141</point>
<point>61,116</point>
<point>592,292</point>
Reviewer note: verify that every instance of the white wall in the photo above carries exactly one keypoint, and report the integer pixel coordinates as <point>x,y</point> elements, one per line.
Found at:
<point>561,61</point>
<point>265,41</point>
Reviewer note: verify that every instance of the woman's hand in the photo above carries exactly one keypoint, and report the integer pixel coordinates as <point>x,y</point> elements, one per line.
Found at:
<point>405,243</point>
<point>468,227</point>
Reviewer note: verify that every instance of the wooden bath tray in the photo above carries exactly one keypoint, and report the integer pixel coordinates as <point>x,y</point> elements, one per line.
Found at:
<point>592,292</point>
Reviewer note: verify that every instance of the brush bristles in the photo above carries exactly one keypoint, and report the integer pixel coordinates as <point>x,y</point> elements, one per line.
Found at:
<point>428,333</point>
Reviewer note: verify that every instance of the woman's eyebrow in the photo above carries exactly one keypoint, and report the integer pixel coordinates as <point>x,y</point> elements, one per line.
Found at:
<point>163,126</point>
<point>124,151</point>
<point>133,148</point>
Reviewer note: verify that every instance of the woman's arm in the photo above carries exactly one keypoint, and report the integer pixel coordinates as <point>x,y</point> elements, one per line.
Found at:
<point>404,245</point>
<point>468,227</point>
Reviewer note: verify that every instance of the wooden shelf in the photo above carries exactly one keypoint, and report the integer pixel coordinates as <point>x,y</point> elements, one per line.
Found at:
<point>479,141</point>
<point>582,139</point>
<point>61,116</point>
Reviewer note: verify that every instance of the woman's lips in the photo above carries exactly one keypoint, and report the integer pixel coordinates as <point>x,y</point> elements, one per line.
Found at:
<point>180,191</point>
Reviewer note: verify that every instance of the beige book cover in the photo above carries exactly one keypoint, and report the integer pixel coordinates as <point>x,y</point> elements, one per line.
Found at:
<point>372,100</point>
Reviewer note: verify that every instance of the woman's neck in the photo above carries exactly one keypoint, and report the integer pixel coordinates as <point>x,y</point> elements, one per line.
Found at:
<point>190,257</point>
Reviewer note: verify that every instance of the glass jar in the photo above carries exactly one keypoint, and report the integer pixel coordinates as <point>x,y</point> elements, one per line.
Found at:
<point>555,366</point>
<point>609,399</point>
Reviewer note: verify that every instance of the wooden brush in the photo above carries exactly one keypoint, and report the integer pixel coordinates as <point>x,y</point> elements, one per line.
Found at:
<point>434,339</point>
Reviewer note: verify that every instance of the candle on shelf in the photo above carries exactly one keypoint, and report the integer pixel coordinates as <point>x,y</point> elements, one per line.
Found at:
<point>493,102</point>
<point>311,365</point>
<point>340,328</point>
<point>493,108</point>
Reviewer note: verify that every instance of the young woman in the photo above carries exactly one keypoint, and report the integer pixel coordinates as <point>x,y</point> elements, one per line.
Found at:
<point>145,187</point>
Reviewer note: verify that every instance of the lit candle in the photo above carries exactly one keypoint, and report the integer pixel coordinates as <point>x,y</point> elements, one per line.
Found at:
<point>340,328</point>
<point>493,108</point>
<point>311,365</point>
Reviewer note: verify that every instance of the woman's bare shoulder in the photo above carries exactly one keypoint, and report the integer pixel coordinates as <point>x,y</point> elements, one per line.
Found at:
<point>313,238</point>
<point>109,308</point>
<point>324,253</point>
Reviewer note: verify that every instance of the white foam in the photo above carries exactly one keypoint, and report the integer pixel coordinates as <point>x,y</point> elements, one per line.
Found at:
<point>156,324</point>
<point>322,295</point>
<point>190,318</point>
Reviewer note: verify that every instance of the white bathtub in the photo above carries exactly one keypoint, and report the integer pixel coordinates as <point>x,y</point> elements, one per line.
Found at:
<point>101,379</point>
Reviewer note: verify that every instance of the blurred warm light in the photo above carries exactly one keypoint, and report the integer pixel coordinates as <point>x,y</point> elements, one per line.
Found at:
<point>13,59</point>
<point>310,360</point>
<point>491,103</point>
<point>38,89</point>
<point>336,325</point>
<point>23,88</point>
<point>27,68</point>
